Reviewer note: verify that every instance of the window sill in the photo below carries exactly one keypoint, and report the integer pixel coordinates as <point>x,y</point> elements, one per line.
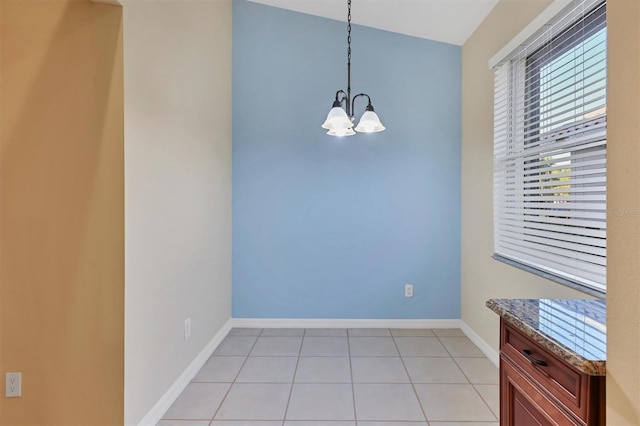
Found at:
<point>565,282</point>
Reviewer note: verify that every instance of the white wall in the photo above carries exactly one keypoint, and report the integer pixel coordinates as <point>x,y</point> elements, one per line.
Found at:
<point>483,278</point>
<point>177,63</point>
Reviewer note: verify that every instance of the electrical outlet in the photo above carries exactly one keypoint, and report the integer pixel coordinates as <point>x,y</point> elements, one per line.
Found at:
<point>13,385</point>
<point>187,328</point>
<point>408,290</point>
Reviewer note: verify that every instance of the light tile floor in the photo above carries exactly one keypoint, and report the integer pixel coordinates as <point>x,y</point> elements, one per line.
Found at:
<point>341,377</point>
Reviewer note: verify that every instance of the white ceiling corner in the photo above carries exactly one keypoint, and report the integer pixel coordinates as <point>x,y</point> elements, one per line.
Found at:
<point>448,21</point>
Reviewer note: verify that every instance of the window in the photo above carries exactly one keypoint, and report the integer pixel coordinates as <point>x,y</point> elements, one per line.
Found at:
<point>550,149</point>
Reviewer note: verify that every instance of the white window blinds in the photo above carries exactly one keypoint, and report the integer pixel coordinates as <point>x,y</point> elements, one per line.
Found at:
<point>550,148</point>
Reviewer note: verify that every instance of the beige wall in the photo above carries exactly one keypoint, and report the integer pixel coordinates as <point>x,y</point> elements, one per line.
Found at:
<point>623,195</point>
<point>178,189</point>
<point>482,277</point>
<point>61,211</point>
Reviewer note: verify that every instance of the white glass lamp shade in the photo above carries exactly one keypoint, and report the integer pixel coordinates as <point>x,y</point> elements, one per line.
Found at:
<point>369,123</point>
<point>341,132</point>
<point>338,123</point>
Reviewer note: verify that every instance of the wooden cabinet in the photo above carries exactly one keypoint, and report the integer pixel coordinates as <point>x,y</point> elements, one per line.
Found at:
<point>539,388</point>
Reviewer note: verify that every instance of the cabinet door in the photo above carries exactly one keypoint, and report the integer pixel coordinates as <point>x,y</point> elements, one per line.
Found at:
<point>522,404</point>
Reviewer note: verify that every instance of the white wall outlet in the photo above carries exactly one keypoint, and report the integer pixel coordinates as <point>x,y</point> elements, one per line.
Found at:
<point>408,290</point>
<point>187,328</point>
<point>13,385</point>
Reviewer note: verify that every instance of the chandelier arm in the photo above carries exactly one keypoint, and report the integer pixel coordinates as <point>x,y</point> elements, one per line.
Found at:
<point>353,101</point>
<point>344,96</point>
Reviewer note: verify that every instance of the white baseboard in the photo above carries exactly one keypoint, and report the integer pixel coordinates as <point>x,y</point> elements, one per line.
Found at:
<point>343,323</point>
<point>157,411</point>
<point>486,348</point>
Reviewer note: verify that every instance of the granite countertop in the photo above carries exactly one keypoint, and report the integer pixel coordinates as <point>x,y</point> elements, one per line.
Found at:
<point>573,329</point>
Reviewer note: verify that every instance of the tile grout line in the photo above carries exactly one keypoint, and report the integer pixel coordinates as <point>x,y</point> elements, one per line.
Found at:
<point>230,383</point>
<point>406,370</point>
<point>473,385</point>
<point>353,386</point>
<point>445,347</point>
<point>235,378</point>
<point>485,402</point>
<point>453,356</point>
<point>465,374</point>
<point>293,379</point>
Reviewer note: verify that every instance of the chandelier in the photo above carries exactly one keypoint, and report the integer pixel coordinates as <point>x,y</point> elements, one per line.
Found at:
<point>341,117</point>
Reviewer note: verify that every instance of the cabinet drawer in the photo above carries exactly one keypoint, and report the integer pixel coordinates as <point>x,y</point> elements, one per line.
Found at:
<point>567,385</point>
<point>523,404</point>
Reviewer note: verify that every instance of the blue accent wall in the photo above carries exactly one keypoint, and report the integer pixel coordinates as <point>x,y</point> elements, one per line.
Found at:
<point>328,227</point>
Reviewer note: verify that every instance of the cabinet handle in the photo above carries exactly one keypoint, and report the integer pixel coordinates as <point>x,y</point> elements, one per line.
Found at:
<point>527,354</point>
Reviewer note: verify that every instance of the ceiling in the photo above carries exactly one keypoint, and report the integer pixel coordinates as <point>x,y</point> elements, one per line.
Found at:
<point>448,21</point>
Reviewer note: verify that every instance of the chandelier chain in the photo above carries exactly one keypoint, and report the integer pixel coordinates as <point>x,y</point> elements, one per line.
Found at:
<point>348,107</point>
<point>349,32</point>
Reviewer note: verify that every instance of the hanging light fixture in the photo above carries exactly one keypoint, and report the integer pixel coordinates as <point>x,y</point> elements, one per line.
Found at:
<point>340,122</point>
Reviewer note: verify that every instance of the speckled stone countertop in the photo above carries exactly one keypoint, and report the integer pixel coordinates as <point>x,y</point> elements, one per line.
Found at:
<point>573,329</point>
